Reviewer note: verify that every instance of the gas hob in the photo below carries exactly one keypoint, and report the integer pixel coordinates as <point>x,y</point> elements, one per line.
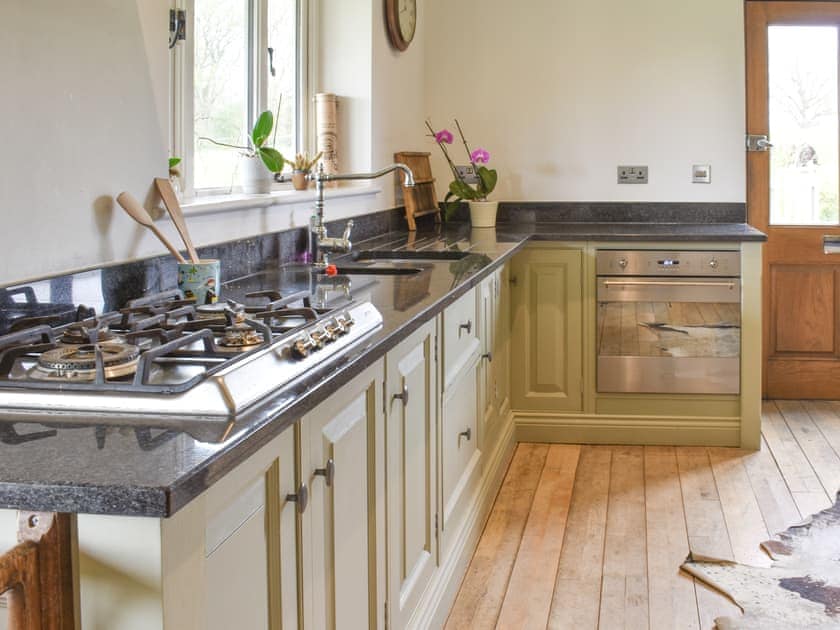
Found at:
<point>163,356</point>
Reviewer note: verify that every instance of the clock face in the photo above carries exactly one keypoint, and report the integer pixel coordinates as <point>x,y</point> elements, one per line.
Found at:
<point>402,22</point>
<point>407,18</point>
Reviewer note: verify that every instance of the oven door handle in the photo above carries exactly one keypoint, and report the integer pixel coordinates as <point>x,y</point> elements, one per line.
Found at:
<point>654,283</point>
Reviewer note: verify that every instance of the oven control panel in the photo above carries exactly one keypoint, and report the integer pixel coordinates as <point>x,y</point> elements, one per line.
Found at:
<point>614,262</point>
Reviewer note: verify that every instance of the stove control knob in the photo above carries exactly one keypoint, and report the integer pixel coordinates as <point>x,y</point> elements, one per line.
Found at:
<point>302,347</point>
<point>713,263</point>
<point>319,338</point>
<point>622,262</point>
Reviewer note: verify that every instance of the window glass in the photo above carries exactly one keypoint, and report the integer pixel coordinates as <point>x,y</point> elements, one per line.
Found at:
<point>802,67</point>
<point>283,73</point>
<point>220,89</point>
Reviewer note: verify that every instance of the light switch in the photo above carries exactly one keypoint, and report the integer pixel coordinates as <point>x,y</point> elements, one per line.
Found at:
<point>701,174</point>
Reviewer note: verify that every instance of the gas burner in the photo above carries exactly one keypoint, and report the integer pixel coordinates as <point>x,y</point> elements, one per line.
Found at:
<point>79,363</point>
<point>241,335</point>
<point>211,311</point>
<point>81,333</point>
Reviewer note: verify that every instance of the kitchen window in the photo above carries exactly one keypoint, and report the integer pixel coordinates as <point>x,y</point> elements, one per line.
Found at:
<point>239,58</point>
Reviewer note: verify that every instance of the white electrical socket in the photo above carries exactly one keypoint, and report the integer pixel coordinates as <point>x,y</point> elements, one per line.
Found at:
<point>467,173</point>
<point>632,174</point>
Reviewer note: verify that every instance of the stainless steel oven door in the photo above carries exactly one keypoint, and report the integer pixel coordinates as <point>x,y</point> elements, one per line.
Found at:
<point>678,335</point>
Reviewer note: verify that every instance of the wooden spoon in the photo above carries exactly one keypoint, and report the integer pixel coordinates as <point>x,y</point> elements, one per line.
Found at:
<point>170,200</point>
<point>142,216</point>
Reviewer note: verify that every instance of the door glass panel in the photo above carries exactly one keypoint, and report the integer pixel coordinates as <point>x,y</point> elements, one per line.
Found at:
<point>802,67</point>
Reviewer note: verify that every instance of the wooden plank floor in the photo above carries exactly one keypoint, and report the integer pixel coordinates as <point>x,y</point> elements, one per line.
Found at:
<point>593,536</point>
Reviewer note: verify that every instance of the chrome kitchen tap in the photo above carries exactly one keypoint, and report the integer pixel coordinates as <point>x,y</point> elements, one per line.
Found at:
<point>320,245</point>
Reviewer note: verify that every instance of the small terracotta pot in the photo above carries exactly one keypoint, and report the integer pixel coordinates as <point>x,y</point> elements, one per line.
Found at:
<point>299,181</point>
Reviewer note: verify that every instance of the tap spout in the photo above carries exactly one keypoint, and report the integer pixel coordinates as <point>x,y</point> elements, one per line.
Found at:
<point>320,245</point>
<point>332,177</point>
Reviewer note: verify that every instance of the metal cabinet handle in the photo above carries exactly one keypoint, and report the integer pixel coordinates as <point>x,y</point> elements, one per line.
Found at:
<point>403,396</point>
<point>655,283</point>
<point>467,326</point>
<point>301,497</point>
<point>467,434</point>
<point>488,356</point>
<point>327,472</point>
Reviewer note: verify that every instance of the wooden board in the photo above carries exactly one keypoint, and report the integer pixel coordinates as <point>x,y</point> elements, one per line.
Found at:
<point>480,599</point>
<point>673,602</point>
<point>528,599</point>
<point>421,199</point>
<point>577,589</point>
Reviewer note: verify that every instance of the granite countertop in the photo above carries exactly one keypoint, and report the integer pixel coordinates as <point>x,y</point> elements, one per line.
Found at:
<point>99,465</point>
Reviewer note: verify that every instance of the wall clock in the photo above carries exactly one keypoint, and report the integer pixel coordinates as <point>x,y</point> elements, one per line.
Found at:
<point>402,21</point>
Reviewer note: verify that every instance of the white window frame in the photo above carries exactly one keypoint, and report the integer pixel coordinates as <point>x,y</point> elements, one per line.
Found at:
<point>182,60</point>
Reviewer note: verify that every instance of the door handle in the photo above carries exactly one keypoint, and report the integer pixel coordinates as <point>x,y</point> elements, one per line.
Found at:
<point>488,356</point>
<point>403,396</point>
<point>301,497</point>
<point>467,434</point>
<point>467,326</point>
<point>327,472</point>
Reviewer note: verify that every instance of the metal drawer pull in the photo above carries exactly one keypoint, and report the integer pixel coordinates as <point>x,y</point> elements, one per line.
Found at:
<point>467,326</point>
<point>653,283</point>
<point>467,434</point>
<point>327,472</point>
<point>488,356</point>
<point>301,497</point>
<point>403,397</point>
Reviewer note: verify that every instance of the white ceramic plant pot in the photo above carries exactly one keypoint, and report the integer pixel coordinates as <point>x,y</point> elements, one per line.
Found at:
<point>254,177</point>
<point>483,213</point>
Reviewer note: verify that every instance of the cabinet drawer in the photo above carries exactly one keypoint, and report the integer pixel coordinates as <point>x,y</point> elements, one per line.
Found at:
<point>459,453</point>
<point>460,335</point>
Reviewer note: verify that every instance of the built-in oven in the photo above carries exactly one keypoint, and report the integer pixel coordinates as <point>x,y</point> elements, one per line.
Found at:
<point>668,321</point>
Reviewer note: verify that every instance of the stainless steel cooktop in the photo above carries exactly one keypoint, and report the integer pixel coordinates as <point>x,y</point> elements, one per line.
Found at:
<point>162,355</point>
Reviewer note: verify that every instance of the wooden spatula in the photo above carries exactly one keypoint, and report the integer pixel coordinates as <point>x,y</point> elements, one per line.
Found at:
<point>170,200</point>
<point>142,216</point>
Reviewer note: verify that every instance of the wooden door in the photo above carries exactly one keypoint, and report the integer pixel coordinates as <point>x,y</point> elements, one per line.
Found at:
<point>792,87</point>
<point>546,355</point>
<point>411,463</point>
<point>344,524</point>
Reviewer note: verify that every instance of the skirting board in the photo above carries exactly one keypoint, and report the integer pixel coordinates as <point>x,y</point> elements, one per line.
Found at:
<point>603,429</point>
<point>437,601</point>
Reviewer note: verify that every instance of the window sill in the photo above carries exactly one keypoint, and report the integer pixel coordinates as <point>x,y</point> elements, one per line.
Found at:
<point>222,203</point>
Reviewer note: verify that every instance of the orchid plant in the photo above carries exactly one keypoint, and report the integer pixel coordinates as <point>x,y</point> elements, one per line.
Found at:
<point>459,189</point>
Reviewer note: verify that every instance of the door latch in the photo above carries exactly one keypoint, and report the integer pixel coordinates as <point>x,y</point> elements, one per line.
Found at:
<point>758,142</point>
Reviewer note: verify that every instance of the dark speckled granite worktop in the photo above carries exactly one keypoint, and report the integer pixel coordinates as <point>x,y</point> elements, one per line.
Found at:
<point>96,465</point>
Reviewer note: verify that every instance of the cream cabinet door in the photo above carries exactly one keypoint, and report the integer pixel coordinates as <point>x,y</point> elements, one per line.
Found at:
<point>546,346</point>
<point>459,452</point>
<point>344,523</point>
<point>500,384</point>
<point>411,438</point>
<point>251,543</point>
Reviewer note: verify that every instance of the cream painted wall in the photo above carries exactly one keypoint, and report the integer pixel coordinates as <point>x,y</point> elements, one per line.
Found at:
<point>563,91</point>
<point>398,95</point>
<point>80,124</point>
<point>86,86</point>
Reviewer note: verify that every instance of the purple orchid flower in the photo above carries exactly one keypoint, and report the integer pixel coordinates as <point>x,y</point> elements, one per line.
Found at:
<point>444,135</point>
<point>480,156</point>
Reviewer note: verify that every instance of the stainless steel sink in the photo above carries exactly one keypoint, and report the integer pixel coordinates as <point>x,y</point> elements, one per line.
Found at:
<point>446,254</point>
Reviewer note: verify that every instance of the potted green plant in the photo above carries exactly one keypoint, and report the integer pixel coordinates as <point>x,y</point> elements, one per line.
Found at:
<point>482,211</point>
<point>256,175</point>
<point>301,167</point>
